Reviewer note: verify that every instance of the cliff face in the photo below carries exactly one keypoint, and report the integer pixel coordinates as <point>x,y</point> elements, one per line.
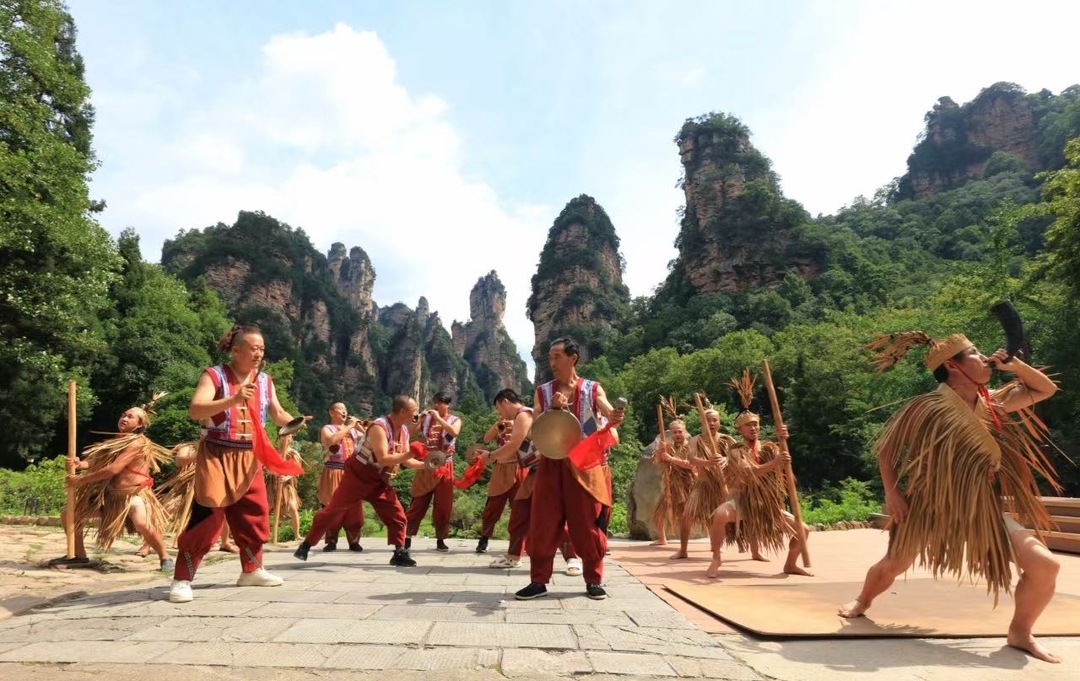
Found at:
<point>737,230</point>
<point>318,312</point>
<point>966,142</point>
<point>491,355</point>
<point>578,289</point>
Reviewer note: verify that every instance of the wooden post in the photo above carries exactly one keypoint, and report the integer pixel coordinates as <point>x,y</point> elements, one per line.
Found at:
<point>277,506</point>
<point>793,495</point>
<point>706,429</point>
<point>661,427</point>
<point>69,508</point>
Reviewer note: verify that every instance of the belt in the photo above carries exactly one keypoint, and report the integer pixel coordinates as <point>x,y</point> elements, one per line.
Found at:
<point>334,465</point>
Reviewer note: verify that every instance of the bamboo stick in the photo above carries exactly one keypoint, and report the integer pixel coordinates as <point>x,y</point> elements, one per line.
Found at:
<point>706,429</point>
<point>69,508</point>
<point>793,495</point>
<point>662,428</point>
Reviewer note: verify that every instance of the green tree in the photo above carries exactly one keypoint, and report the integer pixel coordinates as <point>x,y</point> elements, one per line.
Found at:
<point>58,262</point>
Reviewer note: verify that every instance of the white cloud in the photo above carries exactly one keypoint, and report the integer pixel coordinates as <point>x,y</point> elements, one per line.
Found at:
<point>327,139</point>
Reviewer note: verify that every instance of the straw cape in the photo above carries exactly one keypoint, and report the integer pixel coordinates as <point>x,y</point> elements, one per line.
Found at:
<point>759,498</point>
<point>710,489</point>
<point>178,491</point>
<point>112,504</point>
<point>963,470</point>
<point>676,488</point>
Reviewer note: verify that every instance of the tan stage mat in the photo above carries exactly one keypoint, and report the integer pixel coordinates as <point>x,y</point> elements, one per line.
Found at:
<point>915,608</point>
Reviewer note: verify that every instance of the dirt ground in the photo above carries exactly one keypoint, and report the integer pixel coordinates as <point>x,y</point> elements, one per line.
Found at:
<point>26,579</point>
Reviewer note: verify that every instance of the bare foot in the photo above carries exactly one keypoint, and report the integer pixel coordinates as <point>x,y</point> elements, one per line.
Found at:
<point>229,548</point>
<point>659,542</point>
<point>796,570</point>
<point>853,609</point>
<point>143,551</point>
<point>758,557</point>
<point>679,554</point>
<point>714,567</point>
<point>1029,645</point>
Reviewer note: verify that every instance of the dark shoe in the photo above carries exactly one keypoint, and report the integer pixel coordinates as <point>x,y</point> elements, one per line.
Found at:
<point>356,548</point>
<point>402,559</point>
<point>302,550</point>
<point>595,592</point>
<point>481,546</point>
<point>440,545</point>
<point>408,543</point>
<point>530,592</point>
<point>330,547</point>
<point>167,565</point>
<point>65,561</point>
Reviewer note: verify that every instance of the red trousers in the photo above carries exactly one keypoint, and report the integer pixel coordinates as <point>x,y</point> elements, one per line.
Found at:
<point>249,523</point>
<point>361,483</point>
<point>559,504</point>
<point>520,516</point>
<point>352,523</point>
<point>443,496</point>
<point>493,510</point>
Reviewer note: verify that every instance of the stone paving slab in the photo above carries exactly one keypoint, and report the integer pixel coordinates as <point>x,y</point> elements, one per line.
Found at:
<point>354,631</point>
<point>547,636</point>
<point>224,629</point>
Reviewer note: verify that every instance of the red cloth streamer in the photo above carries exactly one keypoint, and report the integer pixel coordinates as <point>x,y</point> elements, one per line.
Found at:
<point>471,474</point>
<point>445,471</point>
<point>419,450</point>
<point>589,453</point>
<point>266,453</point>
<point>984,392</point>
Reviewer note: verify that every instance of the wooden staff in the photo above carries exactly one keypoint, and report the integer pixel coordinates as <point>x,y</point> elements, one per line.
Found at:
<point>660,425</point>
<point>69,509</point>
<point>710,436</point>
<point>277,507</point>
<point>793,495</point>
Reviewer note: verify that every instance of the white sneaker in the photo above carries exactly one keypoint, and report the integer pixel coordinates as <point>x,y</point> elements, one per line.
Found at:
<point>259,577</point>
<point>573,567</point>
<point>504,562</point>
<point>180,591</point>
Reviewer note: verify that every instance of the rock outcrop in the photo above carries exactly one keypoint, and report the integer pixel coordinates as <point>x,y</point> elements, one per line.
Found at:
<point>577,290</point>
<point>738,232</point>
<point>483,341</point>
<point>318,312</point>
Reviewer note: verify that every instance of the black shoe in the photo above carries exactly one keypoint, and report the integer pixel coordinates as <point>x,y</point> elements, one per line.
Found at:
<point>408,543</point>
<point>302,550</point>
<point>530,592</point>
<point>356,548</point>
<point>330,547</point>
<point>595,592</point>
<point>481,546</point>
<point>440,545</point>
<point>76,561</point>
<point>401,558</point>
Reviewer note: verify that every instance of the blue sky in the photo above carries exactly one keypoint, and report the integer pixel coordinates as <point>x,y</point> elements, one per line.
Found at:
<point>444,137</point>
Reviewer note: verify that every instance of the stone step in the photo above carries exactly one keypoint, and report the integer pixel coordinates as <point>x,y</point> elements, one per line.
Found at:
<point>1066,523</point>
<point>1065,542</point>
<point>1062,506</point>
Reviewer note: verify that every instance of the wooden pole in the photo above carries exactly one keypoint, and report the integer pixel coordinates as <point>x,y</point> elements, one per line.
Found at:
<point>277,506</point>
<point>706,429</point>
<point>793,495</point>
<point>69,509</point>
<point>661,427</point>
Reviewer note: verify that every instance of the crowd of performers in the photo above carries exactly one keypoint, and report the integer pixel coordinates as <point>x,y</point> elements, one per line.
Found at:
<point>959,468</point>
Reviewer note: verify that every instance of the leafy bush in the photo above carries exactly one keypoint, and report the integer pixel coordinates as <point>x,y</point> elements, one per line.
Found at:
<point>852,500</point>
<point>38,490</point>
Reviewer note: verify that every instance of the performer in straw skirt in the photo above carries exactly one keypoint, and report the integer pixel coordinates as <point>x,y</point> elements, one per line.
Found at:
<point>958,465</point>
<point>754,473</point>
<point>709,490</point>
<point>286,486</point>
<point>117,487</point>
<point>677,477</point>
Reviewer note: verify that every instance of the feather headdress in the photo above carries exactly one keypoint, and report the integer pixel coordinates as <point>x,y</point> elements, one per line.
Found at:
<point>744,387</point>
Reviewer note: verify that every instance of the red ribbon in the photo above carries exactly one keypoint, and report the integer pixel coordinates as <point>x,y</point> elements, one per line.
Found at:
<point>267,454</point>
<point>419,450</point>
<point>590,452</point>
<point>471,474</point>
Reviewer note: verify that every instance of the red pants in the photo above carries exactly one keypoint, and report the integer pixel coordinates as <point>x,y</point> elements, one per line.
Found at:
<point>493,510</point>
<point>520,515</point>
<point>560,503</point>
<point>443,494</point>
<point>249,523</point>
<point>361,483</point>
<point>353,523</point>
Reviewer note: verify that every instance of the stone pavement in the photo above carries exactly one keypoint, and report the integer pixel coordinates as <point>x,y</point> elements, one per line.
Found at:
<point>352,616</point>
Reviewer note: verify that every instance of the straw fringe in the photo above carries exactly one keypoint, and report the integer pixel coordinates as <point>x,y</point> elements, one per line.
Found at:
<point>760,499</point>
<point>892,347</point>
<point>957,468</point>
<point>290,499</point>
<point>178,492</point>
<point>675,490</point>
<point>709,489</point>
